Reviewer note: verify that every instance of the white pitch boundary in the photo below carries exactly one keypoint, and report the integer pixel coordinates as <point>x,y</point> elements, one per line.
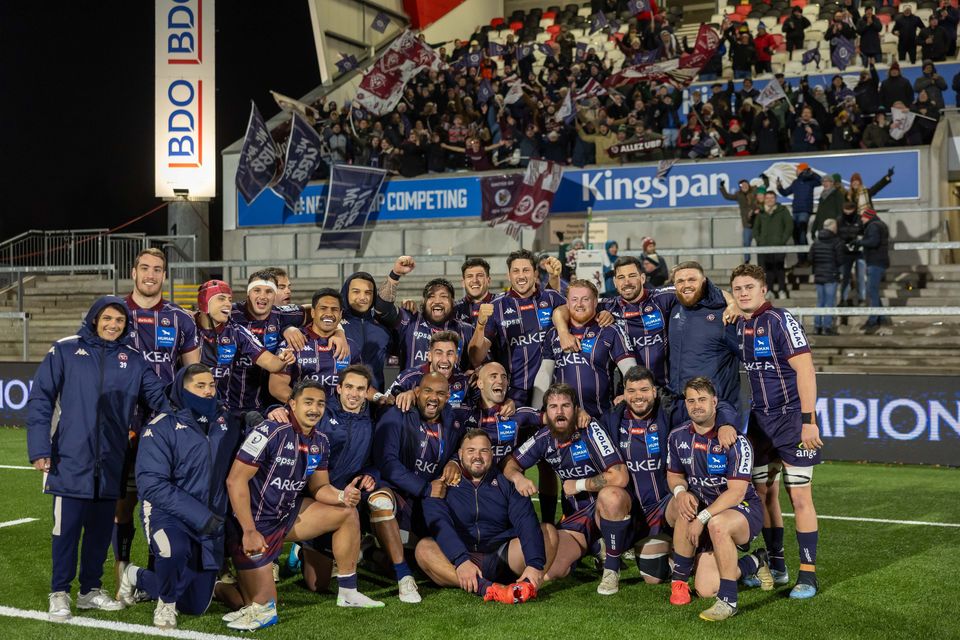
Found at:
<point>110,625</point>
<point>12,466</point>
<point>13,523</point>
<point>884,521</point>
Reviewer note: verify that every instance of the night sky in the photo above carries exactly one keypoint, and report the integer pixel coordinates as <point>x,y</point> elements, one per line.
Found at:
<point>78,79</point>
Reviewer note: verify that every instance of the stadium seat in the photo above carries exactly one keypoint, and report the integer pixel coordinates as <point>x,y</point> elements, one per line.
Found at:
<point>744,9</point>
<point>516,26</point>
<point>496,22</point>
<point>792,68</point>
<point>553,29</point>
<point>798,3</point>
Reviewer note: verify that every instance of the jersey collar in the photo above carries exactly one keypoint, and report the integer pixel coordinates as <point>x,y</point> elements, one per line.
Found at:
<point>133,306</point>
<point>766,306</point>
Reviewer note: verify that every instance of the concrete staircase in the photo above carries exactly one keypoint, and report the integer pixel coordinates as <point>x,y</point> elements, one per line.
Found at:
<point>913,344</point>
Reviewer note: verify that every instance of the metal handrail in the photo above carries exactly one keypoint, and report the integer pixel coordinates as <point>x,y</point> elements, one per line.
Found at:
<point>786,248</point>
<point>800,312</point>
<point>24,317</point>
<point>71,269</point>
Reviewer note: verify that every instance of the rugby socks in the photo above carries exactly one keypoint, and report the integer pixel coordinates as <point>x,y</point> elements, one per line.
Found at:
<point>402,570</point>
<point>615,537</point>
<point>774,544</point>
<point>347,584</point>
<point>682,566</point>
<point>748,565</point>
<point>807,541</point>
<point>123,533</point>
<point>482,585</point>
<point>728,592</point>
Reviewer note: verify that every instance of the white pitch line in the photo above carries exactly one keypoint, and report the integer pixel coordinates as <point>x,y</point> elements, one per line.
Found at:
<point>124,627</point>
<point>884,521</point>
<point>13,523</point>
<point>11,466</point>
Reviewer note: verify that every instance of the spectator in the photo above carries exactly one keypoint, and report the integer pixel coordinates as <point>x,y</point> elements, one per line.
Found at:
<point>654,266</point>
<point>925,124</point>
<point>414,154</point>
<point>877,133</point>
<point>478,156</point>
<point>767,135</point>
<point>743,55</point>
<point>933,41</point>
<point>773,228</point>
<point>840,27</point>
<point>846,134</point>
<point>905,27</point>
<point>850,6</point>
<point>738,143</point>
<point>895,88</point>
<point>932,82</point>
<point>794,30</point>
<point>838,91</point>
<point>802,190</point>
<point>876,255</point>
<point>765,44</point>
<point>611,248</point>
<point>602,140</point>
<point>508,155</point>
<point>869,28</point>
<point>849,229</point>
<point>863,197</point>
<point>436,154</point>
<point>807,135</point>
<point>826,256</point>
<point>666,116</point>
<point>949,19</point>
<point>747,92</point>
<point>745,197</point>
<point>867,91</point>
<point>831,203</point>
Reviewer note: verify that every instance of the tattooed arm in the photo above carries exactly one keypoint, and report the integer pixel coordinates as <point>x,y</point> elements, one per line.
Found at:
<point>403,266</point>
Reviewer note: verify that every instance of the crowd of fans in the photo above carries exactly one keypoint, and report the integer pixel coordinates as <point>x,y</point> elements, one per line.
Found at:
<point>443,123</point>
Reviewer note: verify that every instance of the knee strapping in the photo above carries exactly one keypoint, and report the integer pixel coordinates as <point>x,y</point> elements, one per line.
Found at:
<point>654,565</point>
<point>768,473</point>
<point>382,507</point>
<point>797,476</point>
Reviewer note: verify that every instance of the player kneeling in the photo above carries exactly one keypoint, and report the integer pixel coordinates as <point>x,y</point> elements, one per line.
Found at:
<point>485,534</point>
<point>713,491</point>
<point>275,463</point>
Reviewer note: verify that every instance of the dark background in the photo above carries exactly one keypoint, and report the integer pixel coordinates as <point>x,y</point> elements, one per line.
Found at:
<point>78,95</point>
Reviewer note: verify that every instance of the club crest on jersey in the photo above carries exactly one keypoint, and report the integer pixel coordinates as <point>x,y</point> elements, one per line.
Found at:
<point>544,304</point>
<point>122,357</point>
<point>225,340</point>
<point>314,449</point>
<point>711,317</point>
<point>761,331</point>
<point>271,328</point>
<point>165,322</point>
<point>717,448</point>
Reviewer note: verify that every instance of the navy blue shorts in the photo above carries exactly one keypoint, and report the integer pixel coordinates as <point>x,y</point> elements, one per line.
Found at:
<point>650,521</point>
<point>750,508</point>
<point>494,566</point>
<point>582,521</point>
<point>778,437</point>
<point>274,533</point>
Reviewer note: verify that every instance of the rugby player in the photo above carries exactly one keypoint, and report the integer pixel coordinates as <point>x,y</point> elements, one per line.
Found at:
<point>485,536</point>
<point>442,357</point>
<point>316,359</point>
<point>476,287</point>
<point>284,288</point>
<point>774,350</point>
<point>639,426</point>
<point>639,312</point>
<point>712,494</point>
<point>436,314</point>
<point>222,340</point>
<point>514,325</point>
<point>367,320</point>
<point>166,336</point>
<point>412,448</point>
<point>594,477</point>
<point>588,371</point>
<point>275,464</point>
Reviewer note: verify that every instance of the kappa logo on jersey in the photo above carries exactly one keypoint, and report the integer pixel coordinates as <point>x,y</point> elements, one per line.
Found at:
<point>510,311</point>
<point>683,445</point>
<point>290,446</point>
<point>80,352</point>
<point>148,433</point>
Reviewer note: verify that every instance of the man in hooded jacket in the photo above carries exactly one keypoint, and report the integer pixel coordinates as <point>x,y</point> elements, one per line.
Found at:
<point>95,381</point>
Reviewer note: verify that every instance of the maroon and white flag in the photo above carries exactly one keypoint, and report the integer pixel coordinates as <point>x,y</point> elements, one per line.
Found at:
<point>708,41</point>
<point>382,86</point>
<point>590,89</point>
<point>533,198</point>
<point>678,72</point>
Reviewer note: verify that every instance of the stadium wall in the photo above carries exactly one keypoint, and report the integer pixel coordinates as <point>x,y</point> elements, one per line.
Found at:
<point>685,210</point>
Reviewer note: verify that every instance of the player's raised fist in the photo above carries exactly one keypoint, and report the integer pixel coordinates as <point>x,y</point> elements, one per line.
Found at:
<point>403,265</point>
<point>552,266</point>
<point>484,313</point>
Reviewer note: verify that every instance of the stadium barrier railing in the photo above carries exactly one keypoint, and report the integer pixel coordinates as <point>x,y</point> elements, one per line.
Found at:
<point>24,318</point>
<point>73,269</point>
